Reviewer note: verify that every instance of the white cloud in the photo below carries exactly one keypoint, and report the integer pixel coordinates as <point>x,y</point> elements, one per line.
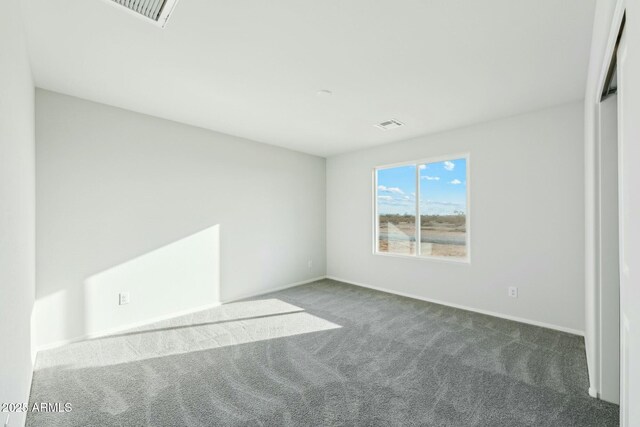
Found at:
<point>423,167</point>
<point>455,182</point>
<point>449,165</point>
<point>431,178</point>
<point>395,190</point>
<point>385,198</point>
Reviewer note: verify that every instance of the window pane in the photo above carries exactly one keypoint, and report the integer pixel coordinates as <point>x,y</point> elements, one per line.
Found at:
<point>396,198</point>
<point>443,209</point>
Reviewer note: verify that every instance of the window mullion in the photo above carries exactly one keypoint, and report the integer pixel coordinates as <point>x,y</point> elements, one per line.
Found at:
<point>418,220</point>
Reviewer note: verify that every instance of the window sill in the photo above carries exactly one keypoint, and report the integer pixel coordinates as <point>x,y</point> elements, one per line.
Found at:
<point>452,260</point>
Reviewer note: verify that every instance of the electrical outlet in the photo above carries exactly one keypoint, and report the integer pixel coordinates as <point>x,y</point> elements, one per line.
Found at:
<point>124,298</point>
<point>513,292</point>
<point>310,263</point>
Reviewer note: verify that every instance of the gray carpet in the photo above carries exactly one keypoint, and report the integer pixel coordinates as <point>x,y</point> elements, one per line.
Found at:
<point>323,354</point>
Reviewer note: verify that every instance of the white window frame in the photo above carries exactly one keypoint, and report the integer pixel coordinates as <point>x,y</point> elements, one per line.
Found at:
<point>417,163</point>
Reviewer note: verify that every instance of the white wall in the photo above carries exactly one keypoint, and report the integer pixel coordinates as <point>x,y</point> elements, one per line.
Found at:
<point>527,206</point>
<point>17,211</point>
<point>118,192</point>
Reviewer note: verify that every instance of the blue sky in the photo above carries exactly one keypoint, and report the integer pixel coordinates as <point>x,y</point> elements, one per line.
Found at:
<point>443,188</point>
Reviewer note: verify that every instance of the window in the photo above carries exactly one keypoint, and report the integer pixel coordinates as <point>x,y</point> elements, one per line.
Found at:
<point>421,209</point>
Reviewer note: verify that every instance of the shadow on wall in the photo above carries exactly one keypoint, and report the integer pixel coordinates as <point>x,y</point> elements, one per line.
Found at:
<point>179,277</point>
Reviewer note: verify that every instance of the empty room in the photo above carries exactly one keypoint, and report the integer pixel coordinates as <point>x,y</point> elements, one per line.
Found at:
<point>329,213</point>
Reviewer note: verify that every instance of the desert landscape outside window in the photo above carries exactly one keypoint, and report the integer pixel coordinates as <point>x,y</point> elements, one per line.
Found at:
<point>433,194</point>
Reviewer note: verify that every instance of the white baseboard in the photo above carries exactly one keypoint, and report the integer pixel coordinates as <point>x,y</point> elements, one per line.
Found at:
<point>268,291</point>
<point>291,285</point>
<point>126,327</point>
<point>172,315</point>
<point>593,392</point>
<point>463,307</point>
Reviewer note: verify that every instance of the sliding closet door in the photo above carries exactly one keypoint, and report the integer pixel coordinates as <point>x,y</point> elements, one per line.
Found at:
<point>629,206</point>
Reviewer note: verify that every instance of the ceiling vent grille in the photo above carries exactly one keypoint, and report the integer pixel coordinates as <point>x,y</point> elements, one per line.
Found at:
<point>156,10</point>
<point>389,124</point>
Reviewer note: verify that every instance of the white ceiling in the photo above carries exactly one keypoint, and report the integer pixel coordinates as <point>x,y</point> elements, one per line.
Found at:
<point>252,68</point>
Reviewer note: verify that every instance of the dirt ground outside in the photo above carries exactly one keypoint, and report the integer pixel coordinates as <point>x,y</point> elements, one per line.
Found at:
<point>440,237</point>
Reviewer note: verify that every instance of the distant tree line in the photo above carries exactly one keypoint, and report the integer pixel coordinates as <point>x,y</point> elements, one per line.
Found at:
<point>457,219</point>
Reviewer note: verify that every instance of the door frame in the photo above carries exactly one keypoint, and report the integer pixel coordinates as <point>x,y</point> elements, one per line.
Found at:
<point>593,284</point>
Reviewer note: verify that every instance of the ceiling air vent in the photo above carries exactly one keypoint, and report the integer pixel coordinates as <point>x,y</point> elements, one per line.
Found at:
<point>156,10</point>
<point>389,124</point>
